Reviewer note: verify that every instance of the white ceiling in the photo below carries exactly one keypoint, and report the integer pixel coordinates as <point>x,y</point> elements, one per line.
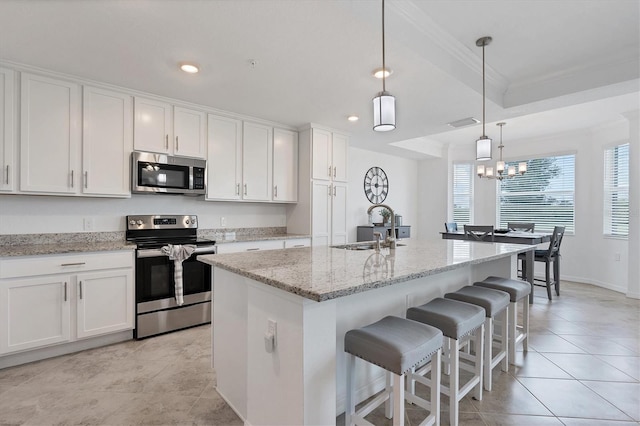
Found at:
<point>572,63</point>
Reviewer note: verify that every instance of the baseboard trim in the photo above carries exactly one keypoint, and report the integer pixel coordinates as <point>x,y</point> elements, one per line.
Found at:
<point>597,283</point>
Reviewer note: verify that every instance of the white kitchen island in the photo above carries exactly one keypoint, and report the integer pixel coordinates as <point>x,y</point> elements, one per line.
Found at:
<point>315,295</point>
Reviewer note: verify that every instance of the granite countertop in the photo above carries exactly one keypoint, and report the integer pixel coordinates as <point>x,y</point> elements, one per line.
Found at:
<point>324,273</point>
<point>62,248</point>
<point>243,238</point>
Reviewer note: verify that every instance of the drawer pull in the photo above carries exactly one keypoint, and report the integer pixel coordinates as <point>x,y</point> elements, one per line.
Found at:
<point>72,264</point>
<point>7,174</point>
<point>80,290</point>
<point>65,291</point>
<point>299,245</point>
<point>166,141</point>
<point>253,249</point>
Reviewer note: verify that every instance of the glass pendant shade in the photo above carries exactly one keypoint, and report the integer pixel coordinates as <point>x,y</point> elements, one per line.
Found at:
<point>480,170</point>
<point>522,168</point>
<point>500,166</point>
<point>512,171</point>
<point>483,149</point>
<point>384,112</point>
<point>489,172</point>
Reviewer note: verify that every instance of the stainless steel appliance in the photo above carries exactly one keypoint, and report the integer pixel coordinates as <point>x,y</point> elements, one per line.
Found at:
<point>156,309</point>
<point>164,174</point>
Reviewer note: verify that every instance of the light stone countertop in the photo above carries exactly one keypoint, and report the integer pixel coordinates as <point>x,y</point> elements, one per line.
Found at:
<point>243,238</point>
<point>63,248</point>
<point>324,273</point>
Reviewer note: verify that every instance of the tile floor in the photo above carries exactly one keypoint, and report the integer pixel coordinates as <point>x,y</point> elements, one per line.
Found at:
<point>582,368</point>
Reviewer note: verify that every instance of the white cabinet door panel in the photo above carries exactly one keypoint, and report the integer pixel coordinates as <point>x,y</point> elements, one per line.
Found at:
<point>321,154</point>
<point>285,165</point>
<point>34,312</point>
<point>339,157</point>
<point>49,135</point>
<point>321,215</point>
<point>339,214</point>
<point>152,126</point>
<point>107,142</point>
<point>189,128</point>
<point>224,158</point>
<point>257,155</point>
<point>104,302</point>
<point>7,133</point>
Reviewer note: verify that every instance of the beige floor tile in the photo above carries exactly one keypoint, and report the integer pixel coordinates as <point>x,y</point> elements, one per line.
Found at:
<point>508,396</point>
<point>601,346</point>
<point>514,419</point>
<point>534,364</point>
<point>152,409</point>
<point>213,412</point>
<point>627,364</point>
<point>625,396</point>
<point>587,367</point>
<point>552,343</point>
<point>570,398</point>
<point>568,421</point>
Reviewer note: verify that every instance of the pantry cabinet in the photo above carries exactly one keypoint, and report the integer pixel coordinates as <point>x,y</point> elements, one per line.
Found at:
<point>49,135</point>
<point>329,155</point>
<point>257,157</point>
<point>329,215</point>
<point>107,142</point>
<point>165,129</point>
<point>7,133</point>
<point>46,300</point>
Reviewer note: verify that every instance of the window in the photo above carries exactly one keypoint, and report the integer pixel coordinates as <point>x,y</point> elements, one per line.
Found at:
<point>462,193</point>
<point>616,191</point>
<point>543,195</point>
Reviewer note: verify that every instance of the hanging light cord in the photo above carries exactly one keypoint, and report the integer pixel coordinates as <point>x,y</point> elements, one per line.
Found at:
<point>483,96</point>
<point>384,66</point>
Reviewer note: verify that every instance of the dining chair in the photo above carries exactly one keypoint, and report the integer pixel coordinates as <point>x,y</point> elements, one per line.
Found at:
<point>450,226</point>
<point>479,232</point>
<point>521,226</point>
<point>548,256</point>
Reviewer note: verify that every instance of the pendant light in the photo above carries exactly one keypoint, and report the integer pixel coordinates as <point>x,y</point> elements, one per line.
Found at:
<point>488,172</point>
<point>384,105</point>
<point>483,144</point>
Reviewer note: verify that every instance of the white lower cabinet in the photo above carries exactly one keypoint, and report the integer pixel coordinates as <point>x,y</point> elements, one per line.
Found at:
<point>46,300</point>
<point>329,215</point>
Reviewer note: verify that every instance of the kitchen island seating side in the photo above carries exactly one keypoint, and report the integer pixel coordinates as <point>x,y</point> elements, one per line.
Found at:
<point>398,345</point>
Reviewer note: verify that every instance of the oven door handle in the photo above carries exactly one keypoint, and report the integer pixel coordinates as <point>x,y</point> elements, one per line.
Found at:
<point>144,253</point>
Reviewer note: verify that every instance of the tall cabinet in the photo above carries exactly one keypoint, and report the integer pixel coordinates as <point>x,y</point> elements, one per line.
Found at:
<point>7,134</point>
<point>322,205</point>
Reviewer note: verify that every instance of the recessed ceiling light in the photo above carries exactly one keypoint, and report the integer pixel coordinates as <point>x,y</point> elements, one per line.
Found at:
<point>377,73</point>
<point>190,68</point>
<point>353,118</point>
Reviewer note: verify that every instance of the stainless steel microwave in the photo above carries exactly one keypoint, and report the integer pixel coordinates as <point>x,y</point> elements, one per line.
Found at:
<point>164,174</point>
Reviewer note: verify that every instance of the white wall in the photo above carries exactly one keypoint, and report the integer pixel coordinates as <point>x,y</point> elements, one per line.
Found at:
<point>403,189</point>
<point>587,256</point>
<point>35,214</point>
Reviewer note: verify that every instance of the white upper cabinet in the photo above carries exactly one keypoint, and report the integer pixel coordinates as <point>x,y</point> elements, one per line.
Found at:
<point>189,128</point>
<point>329,155</point>
<point>257,157</point>
<point>107,142</point>
<point>224,158</point>
<point>285,165</point>
<point>152,126</point>
<point>7,134</point>
<point>160,127</point>
<point>49,135</point>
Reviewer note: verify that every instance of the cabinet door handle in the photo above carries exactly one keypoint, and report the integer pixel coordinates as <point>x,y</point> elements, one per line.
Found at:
<point>80,289</point>
<point>7,181</point>
<point>72,264</point>
<point>177,145</point>
<point>72,178</point>
<point>275,191</point>
<point>166,141</point>
<point>245,189</point>
<point>334,190</point>
<point>334,171</point>
<point>86,178</point>
<point>329,190</point>
<point>65,291</point>
<point>237,189</point>
<point>329,171</point>
<point>299,245</point>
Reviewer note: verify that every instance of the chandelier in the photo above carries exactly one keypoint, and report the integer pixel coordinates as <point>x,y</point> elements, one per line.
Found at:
<point>488,172</point>
<point>384,104</point>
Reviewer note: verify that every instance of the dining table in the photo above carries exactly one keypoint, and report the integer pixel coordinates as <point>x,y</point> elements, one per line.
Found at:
<point>513,237</point>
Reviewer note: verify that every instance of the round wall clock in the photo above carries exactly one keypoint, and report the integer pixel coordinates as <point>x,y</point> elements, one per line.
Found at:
<point>376,185</point>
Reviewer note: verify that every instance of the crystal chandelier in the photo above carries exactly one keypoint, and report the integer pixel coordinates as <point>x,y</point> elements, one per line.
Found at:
<point>499,172</point>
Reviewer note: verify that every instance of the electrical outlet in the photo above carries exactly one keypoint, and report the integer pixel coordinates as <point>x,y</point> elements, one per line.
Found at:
<point>616,257</point>
<point>88,224</point>
<point>223,221</point>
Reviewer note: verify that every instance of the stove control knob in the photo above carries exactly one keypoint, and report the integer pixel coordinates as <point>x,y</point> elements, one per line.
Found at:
<point>139,222</point>
<point>186,221</point>
<point>132,222</point>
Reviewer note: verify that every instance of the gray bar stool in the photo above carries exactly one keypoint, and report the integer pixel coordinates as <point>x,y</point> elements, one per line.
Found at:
<point>398,345</point>
<point>518,292</point>
<point>494,302</point>
<point>459,322</point>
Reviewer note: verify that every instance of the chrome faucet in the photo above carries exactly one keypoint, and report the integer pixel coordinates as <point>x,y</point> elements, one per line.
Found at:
<point>377,236</point>
<point>390,239</point>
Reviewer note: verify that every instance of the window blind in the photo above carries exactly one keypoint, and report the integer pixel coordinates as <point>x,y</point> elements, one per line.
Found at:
<point>544,195</point>
<point>616,191</point>
<point>462,193</point>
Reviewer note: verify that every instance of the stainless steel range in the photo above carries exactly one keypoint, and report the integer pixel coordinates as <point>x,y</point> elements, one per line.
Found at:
<point>157,311</point>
